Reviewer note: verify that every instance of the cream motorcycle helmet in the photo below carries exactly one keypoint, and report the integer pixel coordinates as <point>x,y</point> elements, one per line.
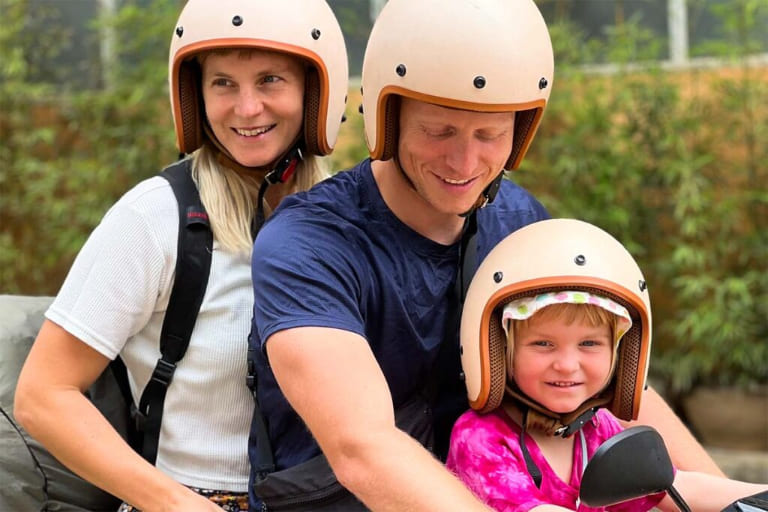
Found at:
<point>486,56</point>
<point>554,255</point>
<point>306,29</point>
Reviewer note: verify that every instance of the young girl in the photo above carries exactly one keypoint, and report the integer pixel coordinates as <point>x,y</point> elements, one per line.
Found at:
<point>255,86</point>
<point>555,334</point>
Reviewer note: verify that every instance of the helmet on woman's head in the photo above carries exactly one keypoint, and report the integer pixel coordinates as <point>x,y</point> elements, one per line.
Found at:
<point>488,56</point>
<point>306,29</point>
<point>555,255</point>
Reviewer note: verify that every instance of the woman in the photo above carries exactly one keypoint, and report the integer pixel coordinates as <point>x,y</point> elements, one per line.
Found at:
<point>257,92</point>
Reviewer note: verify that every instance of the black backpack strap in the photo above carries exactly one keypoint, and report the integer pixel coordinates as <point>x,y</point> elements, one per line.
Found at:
<point>193,263</point>
<point>120,376</point>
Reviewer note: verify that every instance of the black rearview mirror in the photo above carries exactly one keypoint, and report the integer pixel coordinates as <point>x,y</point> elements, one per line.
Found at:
<point>631,464</point>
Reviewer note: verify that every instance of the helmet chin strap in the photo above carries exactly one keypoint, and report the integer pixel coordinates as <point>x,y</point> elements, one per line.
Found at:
<point>487,196</point>
<point>282,172</point>
<point>536,416</point>
<point>556,424</point>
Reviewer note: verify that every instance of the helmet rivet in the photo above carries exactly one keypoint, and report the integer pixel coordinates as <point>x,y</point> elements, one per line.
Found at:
<point>237,21</point>
<point>580,260</point>
<point>642,285</point>
<point>179,30</point>
<point>479,82</point>
<point>315,34</point>
<point>400,70</point>
<point>543,83</point>
<point>498,276</point>
<point>462,376</point>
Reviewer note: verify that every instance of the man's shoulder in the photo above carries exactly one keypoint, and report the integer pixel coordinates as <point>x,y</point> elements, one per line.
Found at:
<point>516,200</point>
<point>324,216</point>
<point>512,194</point>
<point>339,194</point>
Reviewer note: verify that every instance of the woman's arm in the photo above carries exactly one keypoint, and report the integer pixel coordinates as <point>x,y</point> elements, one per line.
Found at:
<point>51,406</point>
<point>332,380</point>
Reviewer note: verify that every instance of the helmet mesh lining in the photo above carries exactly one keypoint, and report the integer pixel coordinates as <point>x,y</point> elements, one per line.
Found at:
<point>523,122</point>
<point>189,102</point>
<point>391,126</point>
<point>496,349</point>
<point>312,141</point>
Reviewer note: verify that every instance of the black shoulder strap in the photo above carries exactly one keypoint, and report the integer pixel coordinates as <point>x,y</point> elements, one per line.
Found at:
<point>445,383</point>
<point>193,263</point>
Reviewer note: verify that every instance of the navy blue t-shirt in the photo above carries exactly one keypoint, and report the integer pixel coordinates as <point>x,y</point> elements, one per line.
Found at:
<point>337,257</point>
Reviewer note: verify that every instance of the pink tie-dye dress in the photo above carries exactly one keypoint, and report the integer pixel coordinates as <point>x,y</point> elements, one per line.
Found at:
<point>485,454</point>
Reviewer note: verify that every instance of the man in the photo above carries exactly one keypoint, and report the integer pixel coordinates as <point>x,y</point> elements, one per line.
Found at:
<point>354,281</point>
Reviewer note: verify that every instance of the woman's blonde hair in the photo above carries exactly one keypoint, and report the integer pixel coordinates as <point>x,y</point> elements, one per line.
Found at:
<point>230,197</point>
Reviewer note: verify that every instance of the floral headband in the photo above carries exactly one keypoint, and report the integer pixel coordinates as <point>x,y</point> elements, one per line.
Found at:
<point>524,308</point>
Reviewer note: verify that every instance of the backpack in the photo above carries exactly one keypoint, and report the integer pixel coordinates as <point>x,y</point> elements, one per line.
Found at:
<point>31,479</point>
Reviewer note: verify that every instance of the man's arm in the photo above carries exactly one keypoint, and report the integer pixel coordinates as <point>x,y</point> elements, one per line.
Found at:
<point>331,378</point>
<point>684,450</point>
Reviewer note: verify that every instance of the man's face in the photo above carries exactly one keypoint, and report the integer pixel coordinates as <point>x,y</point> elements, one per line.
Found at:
<point>451,155</point>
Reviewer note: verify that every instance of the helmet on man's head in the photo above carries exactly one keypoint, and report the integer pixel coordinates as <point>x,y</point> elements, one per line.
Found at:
<point>306,29</point>
<point>486,56</point>
<point>554,255</point>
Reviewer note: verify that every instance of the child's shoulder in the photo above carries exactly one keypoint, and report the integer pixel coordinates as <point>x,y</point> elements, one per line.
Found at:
<point>482,426</point>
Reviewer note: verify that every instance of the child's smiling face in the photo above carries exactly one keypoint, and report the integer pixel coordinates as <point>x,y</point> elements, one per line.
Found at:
<point>560,364</point>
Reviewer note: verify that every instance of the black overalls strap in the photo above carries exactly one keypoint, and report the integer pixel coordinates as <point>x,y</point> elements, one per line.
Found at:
<point>265,461</point>
<point>193,262</point>
<point>445,384</point>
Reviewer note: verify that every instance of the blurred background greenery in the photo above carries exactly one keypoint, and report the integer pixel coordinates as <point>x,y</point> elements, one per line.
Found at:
<point>661,141</point>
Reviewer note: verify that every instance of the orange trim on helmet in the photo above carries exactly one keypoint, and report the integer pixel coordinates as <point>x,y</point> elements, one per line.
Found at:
<point>389,90</point>
<point>185,52</point>
<point>558,282</point>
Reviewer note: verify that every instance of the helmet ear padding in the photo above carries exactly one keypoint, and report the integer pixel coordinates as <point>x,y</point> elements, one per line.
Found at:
<point>628,373</point>
<point>190,99</point>
<point>391,126</point>
<point>497,340</point>
<point>312,111</point>
<point>524,122</point>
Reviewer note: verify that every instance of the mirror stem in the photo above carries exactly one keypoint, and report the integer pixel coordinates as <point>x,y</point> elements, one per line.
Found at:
<point>679,501</point>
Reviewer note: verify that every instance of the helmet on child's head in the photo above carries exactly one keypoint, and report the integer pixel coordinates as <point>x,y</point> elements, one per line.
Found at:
<point>487,56</point>
<point>306,29</point>
<point>554,255</point>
